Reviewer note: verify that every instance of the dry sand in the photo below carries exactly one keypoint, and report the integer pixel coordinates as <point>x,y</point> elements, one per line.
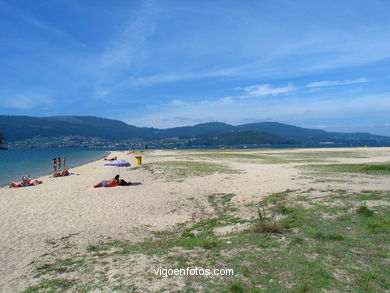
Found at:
<point>65,213</point>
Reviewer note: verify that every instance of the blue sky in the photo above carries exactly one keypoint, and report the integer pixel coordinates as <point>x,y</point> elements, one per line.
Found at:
<point>319,64</point>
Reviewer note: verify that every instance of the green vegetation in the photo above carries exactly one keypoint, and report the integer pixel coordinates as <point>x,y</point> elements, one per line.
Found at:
<point>372,168</point>
<point>324,154</point>
<point>173,170</point>
<point>240,137</point>
<point>54,285</point>
<point>250,158</point>
<point>19,128</point>
<point>297,241</point>
<point>221,202</point>
<point>276,158</point>
<point>267,227</point>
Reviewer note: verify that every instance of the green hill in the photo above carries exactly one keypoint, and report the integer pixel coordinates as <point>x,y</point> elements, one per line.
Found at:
<point>240,137</point>
<point>16,128</point>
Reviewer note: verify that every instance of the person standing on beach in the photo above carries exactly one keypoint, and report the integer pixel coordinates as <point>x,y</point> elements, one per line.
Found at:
<point>54,165</point>
<point>59,163</point>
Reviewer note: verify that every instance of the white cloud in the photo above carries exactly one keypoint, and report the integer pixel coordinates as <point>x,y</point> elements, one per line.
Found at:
<point>265,90</point>
<point>326,83</point>
<point>178,76</point>
<point>226,100</point>
<point>240,109</point>
<point>29,100</point>
<point>153,79</point>
<point>27,17</point>
<point>178,102</point>
<point>124,49</point>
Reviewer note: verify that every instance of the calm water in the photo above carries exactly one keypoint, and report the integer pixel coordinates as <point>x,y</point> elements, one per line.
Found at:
<point>15,163</point>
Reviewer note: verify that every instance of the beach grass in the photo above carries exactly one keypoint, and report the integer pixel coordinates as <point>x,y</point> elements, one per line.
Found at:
<point>253,158</point>
<point>259,156</point>
<point>325,154</point>
<point>297,241</point>
<point>366,168</point>
<point>174,170</point>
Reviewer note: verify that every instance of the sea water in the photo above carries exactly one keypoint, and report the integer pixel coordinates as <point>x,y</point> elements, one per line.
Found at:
<point>14,163</point>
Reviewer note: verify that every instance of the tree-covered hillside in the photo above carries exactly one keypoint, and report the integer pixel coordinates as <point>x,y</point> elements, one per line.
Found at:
<point>17,128</point>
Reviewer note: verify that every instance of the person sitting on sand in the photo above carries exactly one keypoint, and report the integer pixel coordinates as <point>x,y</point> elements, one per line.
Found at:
<point>112,159</point>
<point>112,183</point>
<point>62,173</point>
<point>26,181</point>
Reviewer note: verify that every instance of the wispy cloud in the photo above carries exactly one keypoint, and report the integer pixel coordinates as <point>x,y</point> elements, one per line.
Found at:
<point>265,90</point>
<point>238,110</point>
<point>125,47</point>
<point>30,19</point>
<point>28,100</point>
<point>226,100</point>
<point>189,74</point>
<point>327,83</point>
<point>178,102</point>
<point>125,50</point>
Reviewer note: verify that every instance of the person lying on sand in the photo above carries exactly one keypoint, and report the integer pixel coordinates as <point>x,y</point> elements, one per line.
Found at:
<point>112,183</point>
<point>26,181</point>
<point>124,183</point>
<point>112,159</point>
<point>61,173</point>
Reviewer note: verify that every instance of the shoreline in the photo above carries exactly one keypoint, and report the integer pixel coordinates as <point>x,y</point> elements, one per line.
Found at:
<point>276,150</point>
<point>268,149</point>
<point>74,168</point>
<point>46,174</point>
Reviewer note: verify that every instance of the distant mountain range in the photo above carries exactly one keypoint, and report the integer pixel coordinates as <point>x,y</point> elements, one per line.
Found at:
<point>16,128</point>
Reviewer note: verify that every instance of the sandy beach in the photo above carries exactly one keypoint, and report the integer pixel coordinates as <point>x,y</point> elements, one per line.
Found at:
<point>63,215</point>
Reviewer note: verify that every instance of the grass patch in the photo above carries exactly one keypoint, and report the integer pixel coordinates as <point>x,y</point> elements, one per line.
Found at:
<point>221,202</point>
<point>54,285</point>
<point>255,158</point>
<point>266,225</point>
<point>324,155</point>
<point>173,170</point>
<point>372,169</point>
<point>303,244</point>
<point>364,211</point>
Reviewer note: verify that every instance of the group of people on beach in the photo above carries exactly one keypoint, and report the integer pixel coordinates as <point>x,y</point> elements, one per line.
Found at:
<point>26,181</point>
<point>60,162</point>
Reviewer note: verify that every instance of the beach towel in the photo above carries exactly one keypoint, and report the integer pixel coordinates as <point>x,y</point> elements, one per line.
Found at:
<point>119,186</point>
<point>118,163</point>
<point>99,188</point>
<point>63,175</point>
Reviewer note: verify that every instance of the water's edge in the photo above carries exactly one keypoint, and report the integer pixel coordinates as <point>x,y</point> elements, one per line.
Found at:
<point>16,163</point>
